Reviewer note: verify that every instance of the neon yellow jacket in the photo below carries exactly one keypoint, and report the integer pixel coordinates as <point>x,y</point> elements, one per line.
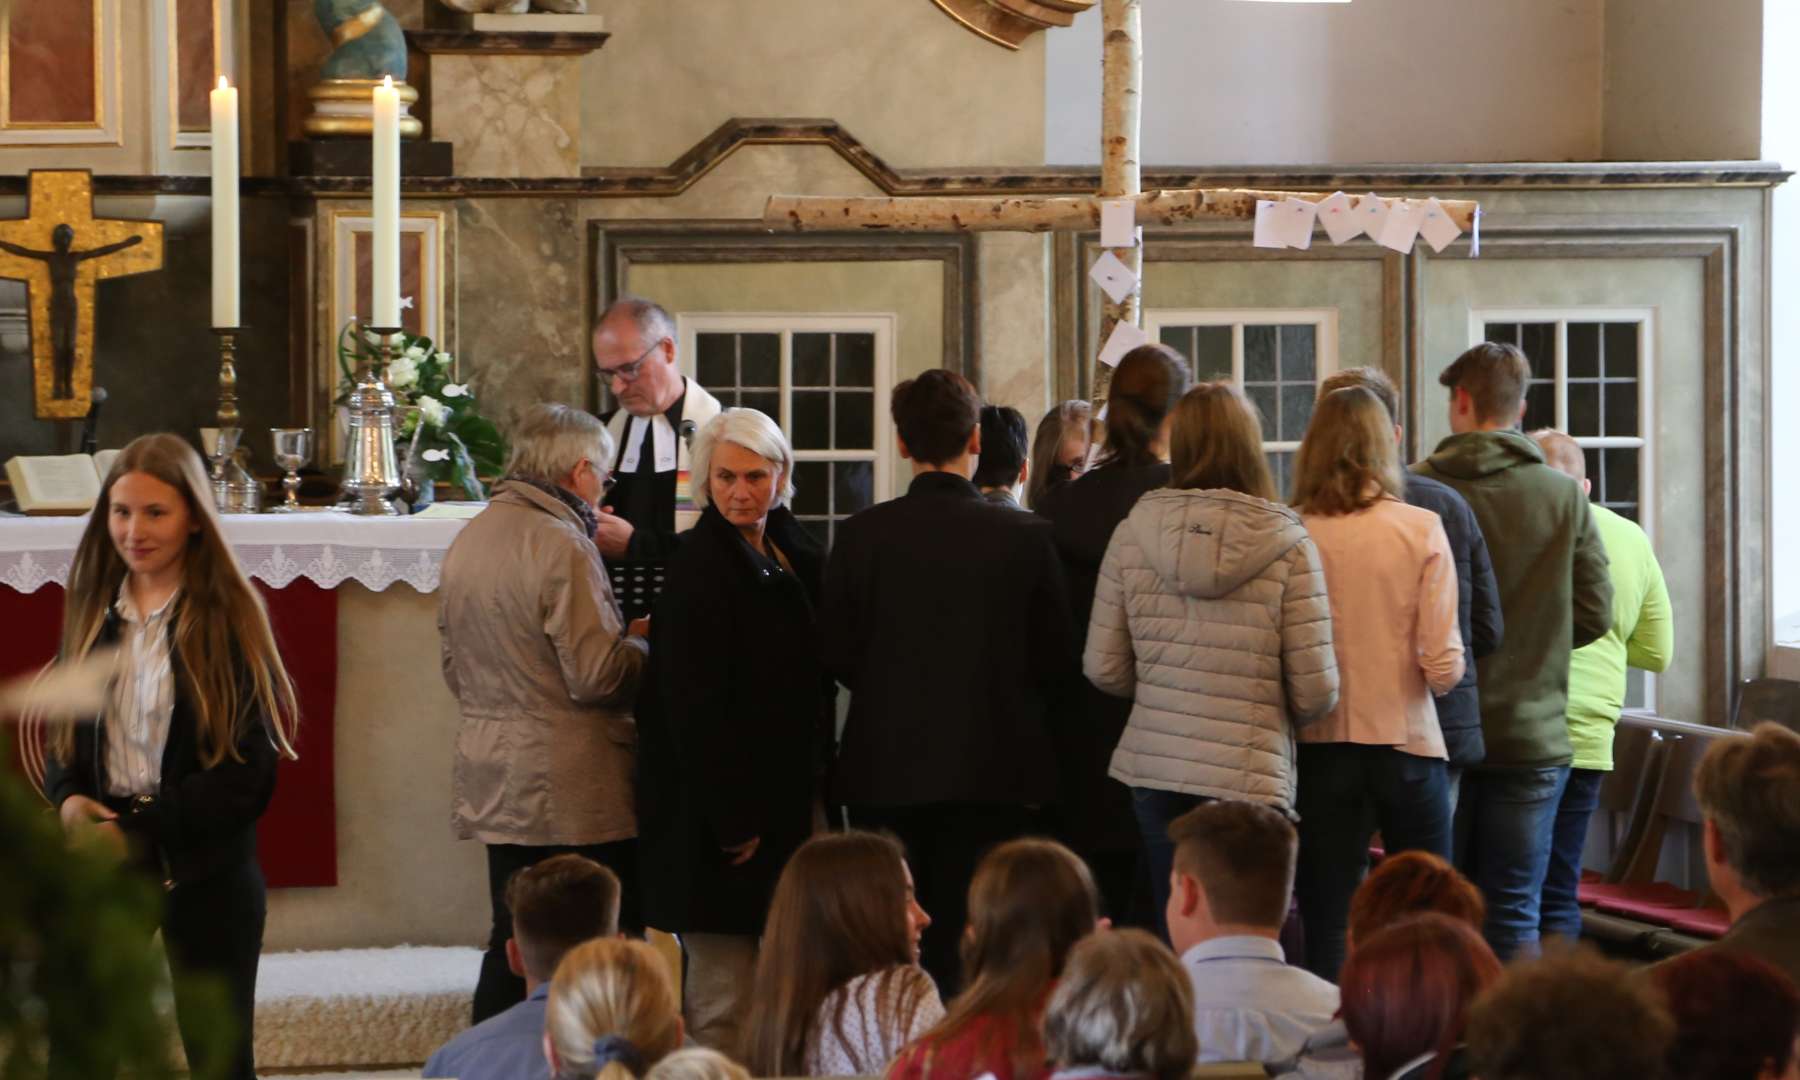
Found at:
<point>1642,636</point>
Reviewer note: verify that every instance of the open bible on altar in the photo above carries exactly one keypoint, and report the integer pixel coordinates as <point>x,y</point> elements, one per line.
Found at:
<point>66,484</point>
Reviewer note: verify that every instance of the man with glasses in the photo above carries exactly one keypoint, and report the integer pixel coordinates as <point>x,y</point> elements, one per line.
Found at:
<point>650,502</point>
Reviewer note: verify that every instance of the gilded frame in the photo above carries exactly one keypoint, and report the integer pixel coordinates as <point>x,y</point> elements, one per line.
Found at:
<point>107,128</point>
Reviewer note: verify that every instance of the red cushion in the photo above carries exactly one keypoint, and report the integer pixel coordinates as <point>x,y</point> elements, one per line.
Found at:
<point>1600,894</point>
<point>1663,905</point>
<point>1704,922</point>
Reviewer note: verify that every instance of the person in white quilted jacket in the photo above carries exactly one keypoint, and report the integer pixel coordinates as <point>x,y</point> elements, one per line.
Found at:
<point>1211,615</point>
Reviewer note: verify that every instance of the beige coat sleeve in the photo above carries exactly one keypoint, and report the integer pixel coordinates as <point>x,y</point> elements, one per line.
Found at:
<point>1109,661</point>
<point>1308,663</point>
<point>1436,636</point>
<point>445,657</point>
<point>600,665</point>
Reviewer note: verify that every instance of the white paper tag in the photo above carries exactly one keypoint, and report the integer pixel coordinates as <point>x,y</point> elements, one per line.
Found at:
<point>1338,214</point>
<point>1114,276</point>
<point>1401,226</point>
<point>1118,223</point>
<point>1124,338</point>
<point>1265,235</point>
<point>1436,226</point>
<point>1294,222</point>
<point>1371,214</point>
<point>1475,234</point>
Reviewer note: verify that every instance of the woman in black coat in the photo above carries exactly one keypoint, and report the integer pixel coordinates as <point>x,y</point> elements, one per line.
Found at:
<point>734,717</point>
<point>1094,811</point>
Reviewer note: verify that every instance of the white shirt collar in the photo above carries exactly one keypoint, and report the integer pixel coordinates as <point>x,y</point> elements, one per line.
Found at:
<point>127,607</point>
<point>1237,947</point>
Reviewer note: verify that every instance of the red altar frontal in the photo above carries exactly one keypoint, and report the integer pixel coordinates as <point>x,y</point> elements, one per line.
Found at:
<point>298,562</point>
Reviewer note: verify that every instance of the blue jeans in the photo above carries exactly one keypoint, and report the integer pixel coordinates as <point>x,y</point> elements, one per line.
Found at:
<point>1504,820</point>
<point>1346,791</point>
<point>1155,809</point>
<point>1561,914</point>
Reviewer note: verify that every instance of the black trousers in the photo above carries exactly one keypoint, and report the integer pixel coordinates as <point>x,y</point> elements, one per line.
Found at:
<point>944,842</point>
<point>213,931</point>
<point>498,989</point>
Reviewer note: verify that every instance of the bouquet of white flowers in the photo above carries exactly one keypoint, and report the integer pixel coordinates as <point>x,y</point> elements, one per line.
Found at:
<point>440,432</point>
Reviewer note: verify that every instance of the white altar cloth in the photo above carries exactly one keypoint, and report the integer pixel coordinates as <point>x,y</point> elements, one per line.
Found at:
<point>326,547</point>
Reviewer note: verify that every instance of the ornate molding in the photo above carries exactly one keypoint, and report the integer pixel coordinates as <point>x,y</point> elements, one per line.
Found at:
<point>1011,22</point>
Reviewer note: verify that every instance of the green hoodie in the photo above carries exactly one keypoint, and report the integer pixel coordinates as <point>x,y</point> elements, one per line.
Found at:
<point>1555,592</point>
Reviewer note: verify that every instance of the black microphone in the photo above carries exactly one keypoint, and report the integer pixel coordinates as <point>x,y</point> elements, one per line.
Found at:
<point>90,440</point>
<point>687,433</point>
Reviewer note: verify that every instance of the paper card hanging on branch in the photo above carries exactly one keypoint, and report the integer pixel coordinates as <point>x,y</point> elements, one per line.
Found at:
<point>1371,214</point>
<point>1294,222</point>
<point>1402,225</point>
<point>1113,276</point>
<point>1475,234</point>
<point>1338,214</point>
<point>1436,227</point>
<point>1265,234</point>
<point>1125,337</point>
<point>1118,223</point>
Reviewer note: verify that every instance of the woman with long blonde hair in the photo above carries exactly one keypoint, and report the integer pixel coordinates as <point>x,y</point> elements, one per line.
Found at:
<point>176,771</point>
<point>612,1012</point>
<point>1379,756</point>
<point>1210,615</point>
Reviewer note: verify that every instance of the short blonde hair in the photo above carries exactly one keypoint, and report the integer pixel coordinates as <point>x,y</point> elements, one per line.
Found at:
<point>550,440</point>
<point>697,1063</point>
<point>1123,1004</point>
<point>612,990</point>
<point>754,432</point>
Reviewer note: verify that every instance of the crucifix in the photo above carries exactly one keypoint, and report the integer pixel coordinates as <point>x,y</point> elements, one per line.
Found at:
<point>1120,178</point>
<point>60,250</point>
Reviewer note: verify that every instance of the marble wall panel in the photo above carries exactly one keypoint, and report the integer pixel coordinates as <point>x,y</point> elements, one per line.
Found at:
<point>194,63</point>
<point>50,55</point>
<point>1015,321</point>
<point>509,115</point>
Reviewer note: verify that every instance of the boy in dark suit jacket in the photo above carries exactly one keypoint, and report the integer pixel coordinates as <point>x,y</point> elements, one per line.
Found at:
<point>947,619</point>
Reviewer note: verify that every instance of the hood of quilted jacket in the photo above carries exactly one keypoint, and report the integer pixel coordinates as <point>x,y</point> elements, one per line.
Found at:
<point>1210,542</point>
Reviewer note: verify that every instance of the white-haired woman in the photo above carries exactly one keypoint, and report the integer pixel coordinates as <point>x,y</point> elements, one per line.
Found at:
<point>734,716</point>
<point>544,672</point>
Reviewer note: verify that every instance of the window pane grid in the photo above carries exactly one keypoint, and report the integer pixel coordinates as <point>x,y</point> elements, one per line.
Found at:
<point>1276,365</point>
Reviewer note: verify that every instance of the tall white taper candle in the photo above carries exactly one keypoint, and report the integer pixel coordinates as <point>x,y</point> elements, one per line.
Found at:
<point>225,241</point>
<point>385,284</point>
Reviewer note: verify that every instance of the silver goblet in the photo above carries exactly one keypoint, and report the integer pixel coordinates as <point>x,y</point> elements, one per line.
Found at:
<point>293,449</point>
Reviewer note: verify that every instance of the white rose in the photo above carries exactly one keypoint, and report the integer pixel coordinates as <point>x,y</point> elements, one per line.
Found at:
<point>372,337</point>
<point>434,411</point>
<point>414,353</point>
<point>402,372</point>
<point>443,358</point>
<point>457,390</point>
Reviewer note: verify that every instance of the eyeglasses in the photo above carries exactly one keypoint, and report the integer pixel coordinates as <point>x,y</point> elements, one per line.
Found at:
<point>630,372</point>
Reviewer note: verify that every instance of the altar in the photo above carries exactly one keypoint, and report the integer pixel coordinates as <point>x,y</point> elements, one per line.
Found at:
<point>357,845</point>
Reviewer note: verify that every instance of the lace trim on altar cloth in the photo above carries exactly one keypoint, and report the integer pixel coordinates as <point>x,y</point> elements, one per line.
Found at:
<point>326,549</point>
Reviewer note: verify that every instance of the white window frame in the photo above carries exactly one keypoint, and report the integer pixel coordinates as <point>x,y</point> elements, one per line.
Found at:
<point>1324,322</point>
<point>688,327</point>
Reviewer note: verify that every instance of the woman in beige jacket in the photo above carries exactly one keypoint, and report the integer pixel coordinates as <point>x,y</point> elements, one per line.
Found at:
<point>1210,614</point>
<point>544,673</point>
<point>1378,759</point>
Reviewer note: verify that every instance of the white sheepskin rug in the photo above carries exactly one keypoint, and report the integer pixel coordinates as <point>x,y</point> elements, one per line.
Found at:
<point>357,1008</point>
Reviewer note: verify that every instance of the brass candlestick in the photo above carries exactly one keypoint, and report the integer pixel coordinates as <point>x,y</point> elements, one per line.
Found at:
<point>371,470</point>
<point>228,410</point>
<point>229,495</point>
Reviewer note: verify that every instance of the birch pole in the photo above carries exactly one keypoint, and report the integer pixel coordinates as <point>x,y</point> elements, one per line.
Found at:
<point>1121,98</point>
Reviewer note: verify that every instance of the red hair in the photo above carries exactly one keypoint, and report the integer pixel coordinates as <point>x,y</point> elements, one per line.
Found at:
<point>1407,990</point>
<point>1413,883</point>
<point>1735,1014</point>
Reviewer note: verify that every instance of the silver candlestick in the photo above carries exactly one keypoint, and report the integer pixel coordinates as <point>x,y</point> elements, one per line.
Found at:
<point>371,471</point>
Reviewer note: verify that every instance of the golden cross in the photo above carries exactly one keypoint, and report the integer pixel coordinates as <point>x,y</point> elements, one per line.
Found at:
<point>60,249</point>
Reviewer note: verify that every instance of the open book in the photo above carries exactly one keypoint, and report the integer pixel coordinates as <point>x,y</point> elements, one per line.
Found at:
<point>69,484</point>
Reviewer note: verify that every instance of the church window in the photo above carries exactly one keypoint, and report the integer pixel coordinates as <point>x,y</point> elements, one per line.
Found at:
<point>1277,357</point>
<point>825,380</point>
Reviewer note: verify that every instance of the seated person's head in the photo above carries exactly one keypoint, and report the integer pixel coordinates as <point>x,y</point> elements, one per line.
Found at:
<point>556,905</point>
<point>938,418</point>
<point>1233,873</point>
<point>612,1011</point>
<point>1123,1006</point>
<point>1749,792</point>
<point>1736,1016</point>
<point>697,1063</point>
<point>1030,901</point>
<point>1003,435</point>
<point>1412,883</point>
<point>1408,987</point>
<point>1487,387</point>
<point>843,908</point>
<point>1570,1014</point>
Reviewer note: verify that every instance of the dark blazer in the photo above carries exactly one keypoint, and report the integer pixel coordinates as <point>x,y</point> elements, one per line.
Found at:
<point>947,619</point>
<point>204,822</point>
<point>1096,813</point>
<point>732,725</point>
<point>1769,931</point>
<point>1478,613</point>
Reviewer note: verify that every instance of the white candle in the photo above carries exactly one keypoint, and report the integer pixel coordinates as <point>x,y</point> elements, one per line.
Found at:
<point>225,241</point>
<point>385,286</point>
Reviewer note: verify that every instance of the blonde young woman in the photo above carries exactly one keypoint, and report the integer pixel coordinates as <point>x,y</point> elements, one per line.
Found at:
<point>612,1013</point>
<point>176,771</point>
<point>1379,758</point>
<point>1210,614</point>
